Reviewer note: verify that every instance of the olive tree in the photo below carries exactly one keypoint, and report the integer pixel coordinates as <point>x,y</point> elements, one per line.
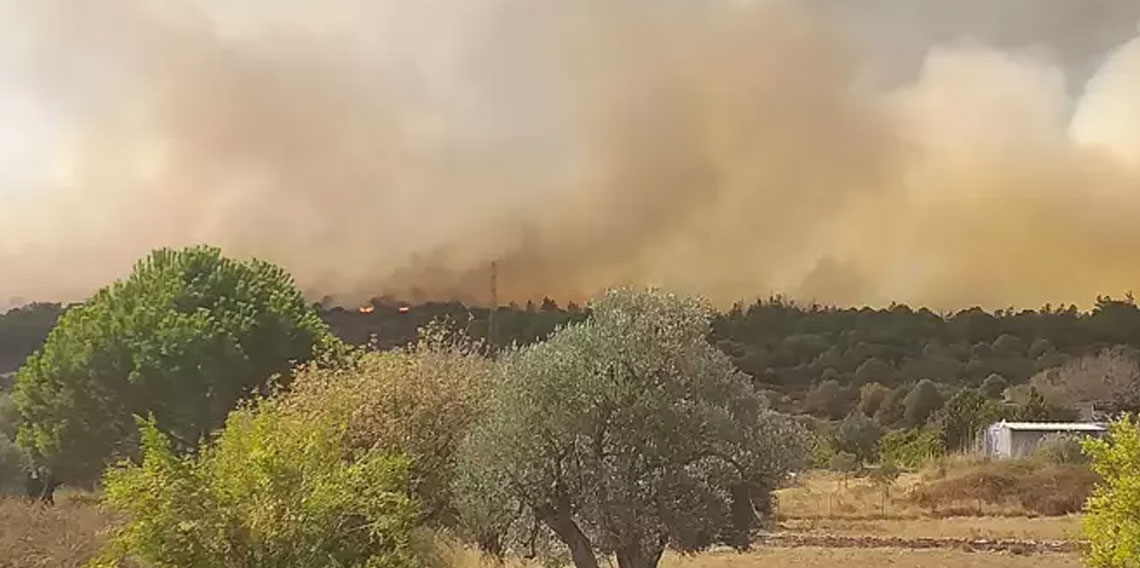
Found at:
<point>185,337</point>
<point>859,436</point>
<point>622,435</point>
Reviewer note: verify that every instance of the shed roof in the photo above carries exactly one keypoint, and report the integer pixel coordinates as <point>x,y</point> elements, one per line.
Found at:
<point>1054,426</point>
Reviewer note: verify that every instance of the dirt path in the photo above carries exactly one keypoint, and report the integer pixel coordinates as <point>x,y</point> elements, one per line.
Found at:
<point>1015,546</point>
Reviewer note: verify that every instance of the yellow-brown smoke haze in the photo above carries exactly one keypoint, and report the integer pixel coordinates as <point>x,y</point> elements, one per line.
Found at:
<point>732,148</point>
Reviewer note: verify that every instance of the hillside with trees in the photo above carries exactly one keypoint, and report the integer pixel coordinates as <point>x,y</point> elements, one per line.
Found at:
<point>813,358</point>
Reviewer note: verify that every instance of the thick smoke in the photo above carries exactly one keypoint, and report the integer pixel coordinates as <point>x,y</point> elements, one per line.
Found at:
<point>831,150</point>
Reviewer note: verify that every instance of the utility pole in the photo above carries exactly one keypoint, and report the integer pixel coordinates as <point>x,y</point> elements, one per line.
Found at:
<point>494,305</point>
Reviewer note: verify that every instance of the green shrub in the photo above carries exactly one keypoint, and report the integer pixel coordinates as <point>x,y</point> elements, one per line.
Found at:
<point>419,400</point>
<point>921,403</point>
<point>9,418</point>
<point>14,465</point>
<point>1061,449</point>
<point>1112,521</point>
<point>859,435</point>
<point>277,488</point>
<point>910,448</point>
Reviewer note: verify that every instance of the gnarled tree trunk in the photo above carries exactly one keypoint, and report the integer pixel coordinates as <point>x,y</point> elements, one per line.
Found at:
<point>581,551</point>
<point>638,556</point>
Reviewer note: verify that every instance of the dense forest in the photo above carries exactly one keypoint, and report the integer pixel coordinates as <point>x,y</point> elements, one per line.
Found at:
<point>786,347</point>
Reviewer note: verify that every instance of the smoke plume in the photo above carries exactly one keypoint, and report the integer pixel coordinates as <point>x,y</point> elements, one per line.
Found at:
<point>949,154</point>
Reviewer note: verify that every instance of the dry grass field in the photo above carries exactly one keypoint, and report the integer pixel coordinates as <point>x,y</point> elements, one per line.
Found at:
<point>64,536</point>
<point>1028,528</point>
<point>870,558</point>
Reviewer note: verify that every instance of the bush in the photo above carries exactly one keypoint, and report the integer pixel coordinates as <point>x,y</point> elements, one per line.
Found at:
<point>1111,524</point>
<point>994,386</point>
<point>871,397</point>
<point>963,417</point>
<point>9,418</point>
<point>921,403</point>
<point>910,448</point>
<point>859,435</point>
<point>419,400</point>
<point>1061,449</point>
<point>828,400</point>
<point>14,467</point>
<point>891,411</point>
<point>277,488</point>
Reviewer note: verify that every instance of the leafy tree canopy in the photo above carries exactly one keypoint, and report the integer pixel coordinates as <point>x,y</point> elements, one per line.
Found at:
<point>186,336</point>
<point>1111,525</point>
<point>623,435</point>
<point>859,436</point>
<point>921,403</point>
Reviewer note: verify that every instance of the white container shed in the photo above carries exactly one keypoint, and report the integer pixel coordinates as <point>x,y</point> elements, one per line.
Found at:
<point>1005,440</point>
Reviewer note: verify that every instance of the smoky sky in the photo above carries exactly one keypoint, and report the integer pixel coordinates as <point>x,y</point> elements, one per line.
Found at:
<point>851,152</point>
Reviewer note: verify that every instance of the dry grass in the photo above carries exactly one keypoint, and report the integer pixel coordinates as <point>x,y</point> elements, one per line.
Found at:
<point>869,558</point>
<point>824,495</point>
<point>64,536</point>
<point>1039,528</point>
<point>949,488</point>
<point>1033,487</point>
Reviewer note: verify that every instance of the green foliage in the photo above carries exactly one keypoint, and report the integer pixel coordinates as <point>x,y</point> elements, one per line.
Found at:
<point>9,418</point>
<point>1061,448</point>
<point>859,435</point>
<point>872,370</point>
<point>277,488</point>
<point>1036,409</point>
<point>185,337</point>
<point>871,398</point>
<point>844,462</point>
<point>1008,344</point>
<point>14,468</point>
<point>22,331</point>
<point>910,448</point>
<point>420,400</point>
<point>892,411</point>
<point>780,344</point>
<point>828,400</point>
<point>963,416</point>
<point>622,435</point>
<point>1112,521</point>
<point>994,386</point>
<point>921,403</point>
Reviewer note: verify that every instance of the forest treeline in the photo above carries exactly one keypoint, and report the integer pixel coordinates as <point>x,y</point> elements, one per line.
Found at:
<point>787,348</point>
